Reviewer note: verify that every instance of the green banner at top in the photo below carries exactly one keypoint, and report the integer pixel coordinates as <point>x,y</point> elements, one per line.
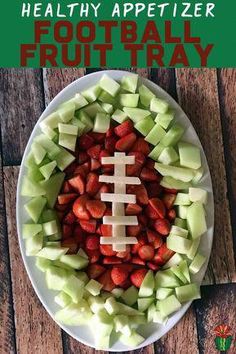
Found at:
<point>121,34</point>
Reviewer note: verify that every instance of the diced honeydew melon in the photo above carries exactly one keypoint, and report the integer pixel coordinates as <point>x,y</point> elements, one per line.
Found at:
<point>52,253</point>
<point>96,303</point>
<point>166,279</point>
<point>150,313</point>
<point>59,264</point>
<point>105,294</point>
<point>54,237</point>
<point>173,135</point>
<point>92,93</point>
<point>43,264</point>
<point>189,155</point>
<point>163,293</point>
<point>193,249</point>
<point>74,260</point>
<point>52,187</point>
<point>103,321</point>
<point>196,220</point>
<point>136,321</point>
<point>130,296</point>
<point>51,121</point>
<point>177,272</point>
<point>30,161</point>
<point>108,108</point>
<point>155,134</point>
<point>188,292</point>
<point>180,223</point>
<point>31,189</point>
<point>34,174</point>
<point>127,310</point>
<point>158,317</point>
<point>129,82</point>
<point>38,151</point>
<point>129,99</point>
<point>92,109</point>
<point>198,175</point>
<point>85,119</point>
<point>34,207</point>
<point>105,97</point>
<point>101,342</point>
<point>158,305</point>
<point>136,114</point>
<point>155,153</point>
<point>82,253</point>
<point>178,244</point>
<point>34,244</point>
<point>119,116</point>
<point>158,105</point>
<point>198,195</point>
<point>29,230</point>
<point>174,260</point>
<point>121,324</point>
<point>146,95</point>
<point>170,182</point>
<point>101,123</point>
<point>164,119</point>
<point>79,101</point>
<point>51,134</point>
<point>83,277</point>
<point>94,287</point>
<point>53,244</point>
<point>197,263</point>
<point>62,299</point>
<point>181,173</point>
<point>144,303</point>
<point>182,211</point>
<point>179,231</point>
<point>74,287</point>
<point>64,159</point>
<point>183,266</point>
<point>66,111</point>
<point>52,149</point>
<point>117,292</point>
<point>80,126</point>
<point>111,306</point>
<point>68,129</point>
<point>74,314</point>
<point>169,305</point>
<point>168,156</point>
<point>147,287</point>
<point>133,340</point>
<point>48,169</point>
<point>182,199</point>
<point>145,125</point>
<point>56,277</point>
<point>68,141</point>
<point>109,85</point>
<point>50,228</point>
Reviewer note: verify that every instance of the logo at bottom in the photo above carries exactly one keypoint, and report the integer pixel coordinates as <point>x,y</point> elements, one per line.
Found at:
<point>223,337</point>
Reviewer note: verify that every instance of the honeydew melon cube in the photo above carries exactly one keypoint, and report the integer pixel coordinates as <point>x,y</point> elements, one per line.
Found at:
<point>197,263</point>
<point>52,187</point>
<point>168,156</point>
<point>56,277</point>
<point>182,211</point>
<point>30,161</point>
<point>47,170</point>
<point>74,288</point>
<point>129,99</point>
<point>121,324</point>
<point>117,292</point>
<point>94,287</point>
<point>180,173</point>
<point>188,292</point>
<point>174,260</point>
<point>96,303</point>
<point>177,272</point>
<point>164,119</point>
<point>64,159</point>
<point>166,279</point>
<point>196,220</point>
<point>51,121</point>
<point>178,244</point>
<point>75,261</point>
<point>135,321</point>
<point>35,207</point>
<point>155,153</point>
<point>80,126</point>
<point>52,149</point>
<point>53,244</point>
<point>29,230</point>
<point>111,306</point>
<point>92,109</point>
<point>173,135</point>
<point>198,175</point>
<point>83,277</point>
<point>130,296</point>
<point>52,253</point>
<point>133,340</point>
<point>79,101</point>
<point>170,182</point>
<point>158,105</point>
<point>54,237</point>
<point>68,129</point>
<point>62,299</point>
<point>163,293</point>
<point>43,264</point>
<point>34,244</point>
<point>105,294</point>
<point>150,312</point>
<point>74,314</point>
<point>34,174</point>
<point>103,321</point>
<point>183,267</point>
<point>51,134</point>
<point>59,264</point>
<point>105,97</point>
<point>66,111</point>
<point>101,342</point>
<point>189,155</point>
<point>129,82</point>
<point>145,125</point>
<point>180,223</point>
<point>179,231</point>
<point>31,189</point>
<point>198,195</point>
<point>182,199</point>
<point>92,93</point>
<point>136,114</point>
<point>119,116</point>
<point>169,305</point>
<point>101,123</point>
<point>68,141</point>
<point>144,303</point>
<point>85,119</point>
<point>159,318</point>
<point>146,95</point>
<point>50,228</point>
<point>109,85</point>
<point>39,152</point>
<point>127,310</point>
<point>82,253</point>
<point>193,249</point>
<point>147,287</point>
<point>155,135</point>
<point>108,108</point>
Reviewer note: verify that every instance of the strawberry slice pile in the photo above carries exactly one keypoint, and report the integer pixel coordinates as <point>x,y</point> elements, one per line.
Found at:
<point>81,210</point>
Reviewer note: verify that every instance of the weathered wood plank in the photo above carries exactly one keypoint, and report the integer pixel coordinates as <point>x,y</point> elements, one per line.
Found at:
<point>197,92</point>
<point>165,78</point>
<point>20,107</point>
<point>36,332</point>
<point>217,306</point>
<point>227,92</point>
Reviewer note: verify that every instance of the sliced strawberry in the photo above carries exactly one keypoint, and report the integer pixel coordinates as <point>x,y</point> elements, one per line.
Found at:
<point>60,215</point>
<point>124,129</point>
<point>150,164</point>
<point>106,281</point>
<point>66,198</point>
<point>70,169</point>
<point>88,225</point>
<point>149,175</point>
<point>106,168</point>
<point>98,231</point>
<point>66,188</point>
<point>158,206</point>
<point>95,270</point>
<point>127,267</point>
<point>110,132</point>
<point>104,189</point>
<point>123,254</point>
<point>139,157</point>
<point>133,209</point>
<point>133,170</point>
<point>142,219</point>
<point>96,208</point>
<point>78,184</point>
<point>165,253</point>
<point>154,238</point>
<point>154,189</point>
<point>168,199</point>
<point>170,190</point>
<point>142,146</point>
<point>70,243</point>
<point>118,275</point>
<point>92,184</point>
<point>85,142</point>
<point>127,258</point>
<point>137,277</point>
<point>134,230</point>
<point>152,266</point>
<point>92,242</point>
<point>107,250</point>
<point>125,284</point>
<point>82,157</point>
<point>151,213</point>
<point>78,234</point>
<point>146,252</point>
<point>140,192</point>
<point>142,240</point>
<point>171,214</point>
<point>79,208</point>
<point>62,207</point>
<point>106,230</point>
<point>95,165</point>
<point>98,137</point>
<point>157,259</point>
<point>67,231</point>
<point>162,226</point>
<point>93,255</point>
<point>94,151</point>
<point>126,143</point>
<point>69,218</point>
<point>112,260</point>
<point>108,212</point>
<point>137,260</point>
<point>83,170</point>
<point>110,144</point>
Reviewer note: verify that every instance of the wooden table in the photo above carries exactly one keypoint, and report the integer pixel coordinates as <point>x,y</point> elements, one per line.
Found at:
<point>208,96</point>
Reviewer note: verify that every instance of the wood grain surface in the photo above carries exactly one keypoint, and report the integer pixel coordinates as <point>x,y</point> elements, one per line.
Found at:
<point>209,100</point>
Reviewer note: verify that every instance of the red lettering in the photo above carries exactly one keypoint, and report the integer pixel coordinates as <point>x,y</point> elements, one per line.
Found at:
<point>108,25</point>
<point>87,55</point>
<point>83,38</point>
<point>68,27</point>
<point>151,33</point>
<point>102,48</point>
<point>133,48</point>
<point>48,52</point>
<point>203,53</point>
<point>187,34</point>
<point>179,56</point>
<point>168,34</point>
<point>128,31</point>
<point>27,51</point>
<point>39,29</point>
<point>155,53</point>
<point>65,55</point>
